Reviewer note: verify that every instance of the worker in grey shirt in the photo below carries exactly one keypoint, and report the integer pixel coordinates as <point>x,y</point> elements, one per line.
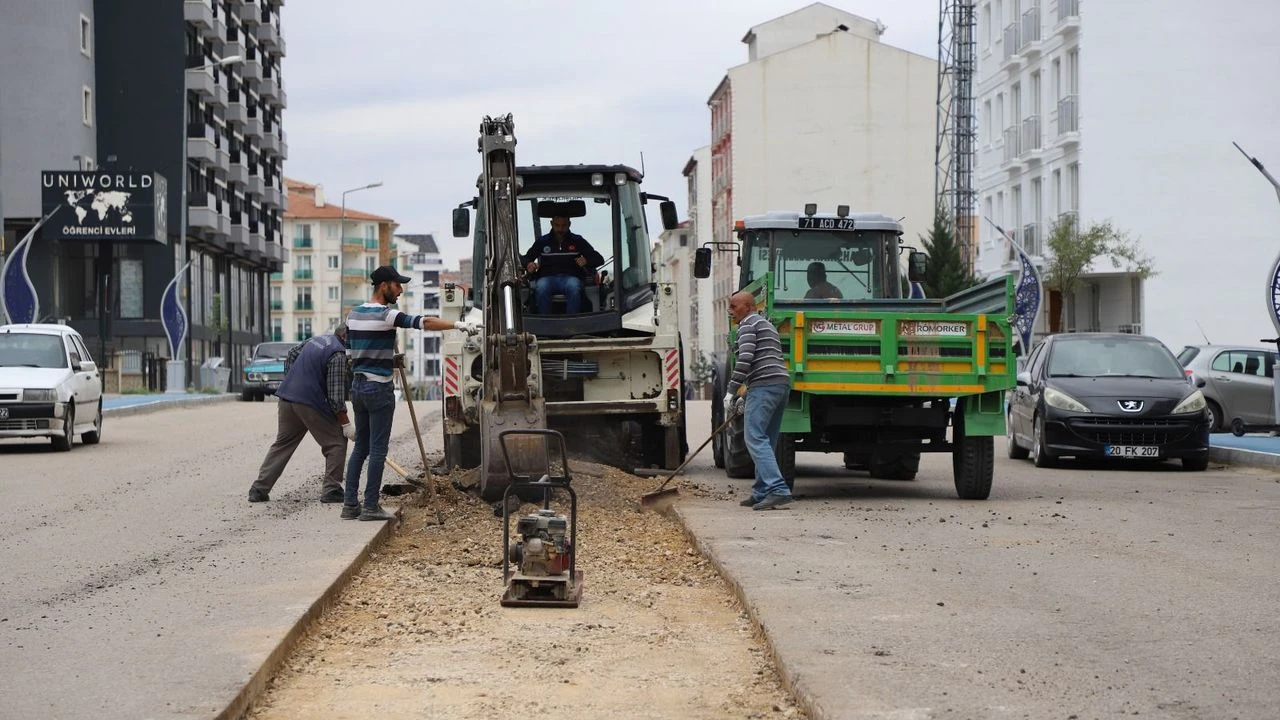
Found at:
<point>761,370</point>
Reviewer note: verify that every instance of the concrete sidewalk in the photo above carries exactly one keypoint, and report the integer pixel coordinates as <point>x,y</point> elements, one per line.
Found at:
<point>1261,451</point>
<point>116,405</point>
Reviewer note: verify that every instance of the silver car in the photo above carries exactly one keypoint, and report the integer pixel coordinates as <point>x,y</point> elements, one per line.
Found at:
<point>1239,382</point>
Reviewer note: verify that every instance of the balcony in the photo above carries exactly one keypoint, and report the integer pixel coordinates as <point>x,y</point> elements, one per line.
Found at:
<point>249,13</point>
<point>370,244</point>
<point>239,243</point>
<point>282,98</point>
<point>1031,45</point>
<point>253,125</point>
<point>254,186</point>
<point>1069,15</point>
<point>233,47</point>
<point>1012,146</point>
<point>222,161</point>
<point>1031,240</point>
<point>276,304</point>
<point>200,79</point>
<point>257,247</point>
<point>352,243</point>
<point>284,145</point>
<point>267,33</point>
<point>271,195</point>
<point>303,306</point>
<point>251,69</point>
<point>268,87</point>
<point>200,145</point>
<point>237,173</point>
<point>236,112</point>
<point>302,242</point>
<point>270,143</point>
<point>203,218</point>
<point>1069,120</point>
<point>1031,138</point>
<point>355,275</point>
<point>200,14</point>
<point>276,277</point>
<point>302,274</point>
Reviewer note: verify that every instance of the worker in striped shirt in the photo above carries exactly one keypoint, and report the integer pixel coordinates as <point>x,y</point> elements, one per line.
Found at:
<point>761,370</point>
<point>371,333</point>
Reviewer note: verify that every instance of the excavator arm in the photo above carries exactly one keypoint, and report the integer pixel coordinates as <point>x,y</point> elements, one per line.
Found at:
<point>512,397</point>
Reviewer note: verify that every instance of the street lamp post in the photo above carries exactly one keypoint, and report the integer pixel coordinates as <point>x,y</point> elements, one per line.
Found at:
<point>342,241</point>
<point>176,373</point>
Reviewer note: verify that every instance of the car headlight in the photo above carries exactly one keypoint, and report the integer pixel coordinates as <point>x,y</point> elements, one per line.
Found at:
<point>40,395</point>
<point>255,377</point>
<point>1193,403</point>
<point>1063,401</point>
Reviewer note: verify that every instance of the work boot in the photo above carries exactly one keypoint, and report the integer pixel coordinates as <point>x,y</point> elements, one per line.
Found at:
<point>350,512</point>
<point>376,513</point>
<point>332,495</point>
<point>772,501</point>
<point>748,502</point>
<point>257,495</point>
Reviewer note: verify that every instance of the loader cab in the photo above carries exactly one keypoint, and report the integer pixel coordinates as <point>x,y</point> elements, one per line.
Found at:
<point>605,207</point>
<point>824,259</point>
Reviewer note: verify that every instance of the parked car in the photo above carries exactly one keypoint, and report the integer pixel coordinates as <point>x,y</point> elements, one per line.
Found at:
<point>264,370</point>
<point>1107,395</point>
<point>49,385</point>
<point>1239,382</point>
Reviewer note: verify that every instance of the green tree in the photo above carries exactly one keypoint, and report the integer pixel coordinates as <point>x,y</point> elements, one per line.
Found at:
<point>1071,251</point>
<point>947,272</point>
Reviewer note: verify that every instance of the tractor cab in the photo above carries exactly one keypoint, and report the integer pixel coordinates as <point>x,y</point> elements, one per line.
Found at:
<point>603,250</point>
<point>823,258</point>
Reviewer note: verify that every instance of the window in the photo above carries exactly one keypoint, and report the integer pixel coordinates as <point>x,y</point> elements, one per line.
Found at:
<point>986,27</point>
<point>1073,186</point>
<point>990,122</point>
<point>277,329</point>
<point>86,36</point>
<point>86,106</point>
<point>304,329</point>
<point>306,231</point>
<point>333,293</point>
<point>1247,362</point>
<point>332,262</point>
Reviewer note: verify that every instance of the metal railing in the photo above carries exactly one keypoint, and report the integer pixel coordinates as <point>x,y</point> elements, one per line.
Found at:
<point>302,242</point>
<point>1012,143</point>
<point>1031,133</point>
<point>275,276</point>
<point>277,304</point>
<point>304,305</point>
<point>1011,40</point>
<point>1031,241</point>
<point>1030,26</point>
<point>1067,9</point>
<point>1068,115</point>
<point>302,274</point>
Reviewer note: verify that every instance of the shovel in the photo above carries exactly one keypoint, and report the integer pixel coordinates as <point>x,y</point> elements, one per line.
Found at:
<point>658,496</point>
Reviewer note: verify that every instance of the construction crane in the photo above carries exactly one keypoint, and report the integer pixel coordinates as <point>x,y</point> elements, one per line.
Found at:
<point>957,123</point>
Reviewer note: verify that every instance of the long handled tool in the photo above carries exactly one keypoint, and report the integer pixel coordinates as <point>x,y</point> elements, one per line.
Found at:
<point>656,497</point>
<point>426,469</point>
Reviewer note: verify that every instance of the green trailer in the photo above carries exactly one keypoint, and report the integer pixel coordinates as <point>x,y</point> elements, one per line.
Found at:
<point>876,375</point>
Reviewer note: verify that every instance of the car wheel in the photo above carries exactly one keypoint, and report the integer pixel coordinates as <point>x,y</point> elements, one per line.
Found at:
<point>63,444</point>
<point>1016,451</point>
<point>1195,464</point>
<point>1215,417</point>
<point>1039,453</point>
<point>245,396</point>
<point>94,436</point>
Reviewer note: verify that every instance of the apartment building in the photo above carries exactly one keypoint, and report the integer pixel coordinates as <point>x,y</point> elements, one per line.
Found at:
<point>1125,112</point>
<point>822,112</point>
<point>418,257</point>
<point>101,88</point>
<point>703,294</point>
<point>334,248</point>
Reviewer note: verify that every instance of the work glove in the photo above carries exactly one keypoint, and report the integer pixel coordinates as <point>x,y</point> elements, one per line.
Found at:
<point>397,360</point>
<point>349,430</point>
<point>740,405</point>
<point>729,408</point>
<point>470,328</point>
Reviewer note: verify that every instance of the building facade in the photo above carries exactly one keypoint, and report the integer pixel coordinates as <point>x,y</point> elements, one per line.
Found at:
<point>334,248</point>
<point>1128,127</point>
<point>823,112</point>
<point>702,293</point>
<point>139,87</point>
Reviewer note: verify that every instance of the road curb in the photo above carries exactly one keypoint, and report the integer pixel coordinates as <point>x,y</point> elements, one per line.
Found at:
<point>257,684</point>
<point>1248,458</point>
<point>791,679</point>
<point>148,408</point>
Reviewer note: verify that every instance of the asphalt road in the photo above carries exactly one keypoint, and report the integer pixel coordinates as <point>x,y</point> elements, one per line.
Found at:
<point>1081,592</point>
<point>138,580</point>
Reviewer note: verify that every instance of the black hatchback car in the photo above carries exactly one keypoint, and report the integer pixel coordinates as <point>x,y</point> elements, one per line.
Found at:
<point>1106,395</point>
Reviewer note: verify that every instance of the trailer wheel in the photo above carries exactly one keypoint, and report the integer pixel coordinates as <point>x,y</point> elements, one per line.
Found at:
<point>737,459</point>
<point>973,460</point>
<point>787,459</point>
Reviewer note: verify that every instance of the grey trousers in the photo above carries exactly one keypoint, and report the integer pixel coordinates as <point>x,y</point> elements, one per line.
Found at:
<point>295,420</point>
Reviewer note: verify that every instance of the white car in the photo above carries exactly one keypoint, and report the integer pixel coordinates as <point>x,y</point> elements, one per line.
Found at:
<point>49,385</point>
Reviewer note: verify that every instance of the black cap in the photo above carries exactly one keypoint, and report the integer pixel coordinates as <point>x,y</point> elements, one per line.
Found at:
<point>386,273</point>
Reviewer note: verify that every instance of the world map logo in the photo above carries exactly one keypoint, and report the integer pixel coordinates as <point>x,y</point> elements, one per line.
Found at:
<point>102,203</point>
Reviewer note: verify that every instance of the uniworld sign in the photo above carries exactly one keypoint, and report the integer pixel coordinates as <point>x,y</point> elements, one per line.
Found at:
<point>97,205</point>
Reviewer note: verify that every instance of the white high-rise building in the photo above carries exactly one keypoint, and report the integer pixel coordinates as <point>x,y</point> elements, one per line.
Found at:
<point>333,251</point>
<point>418,257</point>
<point>1125,112</point>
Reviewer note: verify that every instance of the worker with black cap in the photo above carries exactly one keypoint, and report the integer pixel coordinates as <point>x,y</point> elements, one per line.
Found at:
<point>371,330</point>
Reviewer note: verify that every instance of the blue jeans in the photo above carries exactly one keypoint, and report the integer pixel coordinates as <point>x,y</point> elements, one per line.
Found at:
<point>374,404</point>
<point>568,285</point>
<point>763,425</point>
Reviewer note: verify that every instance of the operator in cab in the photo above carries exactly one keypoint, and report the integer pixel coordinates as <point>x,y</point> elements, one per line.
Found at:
<point>819,288</point>
<point>561,260</point>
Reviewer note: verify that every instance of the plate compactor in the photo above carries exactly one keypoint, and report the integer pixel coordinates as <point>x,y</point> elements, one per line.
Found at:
<point>540,568</point>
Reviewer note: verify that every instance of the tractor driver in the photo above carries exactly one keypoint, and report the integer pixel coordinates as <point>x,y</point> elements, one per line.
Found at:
<point>819,288</point>
<point>561,260</point>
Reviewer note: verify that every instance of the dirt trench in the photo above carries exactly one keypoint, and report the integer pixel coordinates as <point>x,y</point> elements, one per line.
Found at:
<point>419,632</point>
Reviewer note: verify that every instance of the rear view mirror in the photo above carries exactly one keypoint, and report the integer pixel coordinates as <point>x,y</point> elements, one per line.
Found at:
<point>1024,379</point>
<point>461,222</point>
<point>702,263</point>
<point>88,366</point>
<point>917,264</point>
<point>670,220</point>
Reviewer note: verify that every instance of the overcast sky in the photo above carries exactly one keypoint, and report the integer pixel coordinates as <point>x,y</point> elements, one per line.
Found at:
<point>394,90</point>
